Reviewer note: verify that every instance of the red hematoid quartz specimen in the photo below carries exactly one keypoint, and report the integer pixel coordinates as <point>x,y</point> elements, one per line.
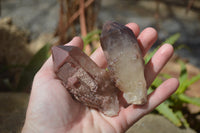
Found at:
<point>94,86</point>
<point>86,82</point>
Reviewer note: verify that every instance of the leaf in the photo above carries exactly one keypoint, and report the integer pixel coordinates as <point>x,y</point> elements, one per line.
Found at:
<point>91,37</point>
<point>181,46</point>
<point>183,74</point>
<point>150,55</point>
<point>187,99</point>
<point>193,80</point>
<point>167,76</point>
<point>171,40</point>
<point>150,90</point>
<point>167,112</point>
<point>157,82</point>
<point>93,50</point>
<point>182,118</point>
<point>34,65</point>
<point>182,78</point>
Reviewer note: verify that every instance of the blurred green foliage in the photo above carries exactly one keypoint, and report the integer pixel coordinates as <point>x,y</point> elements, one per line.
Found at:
<point>91,36</point>
<point>172,107</point>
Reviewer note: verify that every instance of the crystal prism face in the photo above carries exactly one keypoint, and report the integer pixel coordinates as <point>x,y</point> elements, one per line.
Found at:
<point>85,81</point>
<point>125,61</point>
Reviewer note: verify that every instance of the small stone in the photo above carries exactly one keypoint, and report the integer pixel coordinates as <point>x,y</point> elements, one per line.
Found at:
<point>85,81</point>
<point>125,61</point>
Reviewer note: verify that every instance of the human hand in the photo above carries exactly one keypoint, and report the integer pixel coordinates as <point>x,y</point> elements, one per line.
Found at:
<point>52,109</point>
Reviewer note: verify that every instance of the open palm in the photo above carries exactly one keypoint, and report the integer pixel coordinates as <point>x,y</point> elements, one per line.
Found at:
<point>52,109</point>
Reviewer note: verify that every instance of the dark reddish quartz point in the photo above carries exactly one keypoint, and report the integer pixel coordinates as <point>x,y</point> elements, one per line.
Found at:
<point>85,81</point>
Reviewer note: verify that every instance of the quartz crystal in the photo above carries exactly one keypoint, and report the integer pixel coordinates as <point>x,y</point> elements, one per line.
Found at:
<point>84,80</point>
<point>125,61</point>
